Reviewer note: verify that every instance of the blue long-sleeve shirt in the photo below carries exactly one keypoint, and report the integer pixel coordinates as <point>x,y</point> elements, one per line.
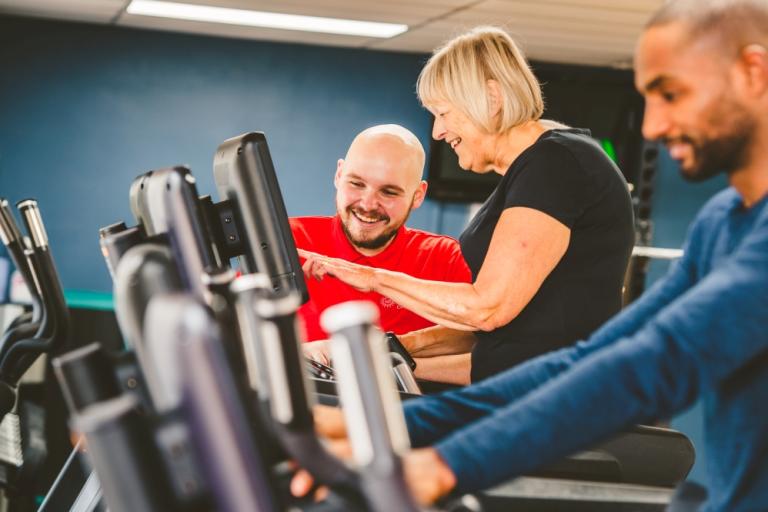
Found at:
<point>702,331</point>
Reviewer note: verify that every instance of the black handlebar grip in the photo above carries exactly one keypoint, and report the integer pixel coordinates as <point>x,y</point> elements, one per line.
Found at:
<point>394,344</point>
<point>7,398</point>
<point>86,377</point>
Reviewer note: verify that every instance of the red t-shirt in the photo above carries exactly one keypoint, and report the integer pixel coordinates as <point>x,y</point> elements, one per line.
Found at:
<point>414,252</point>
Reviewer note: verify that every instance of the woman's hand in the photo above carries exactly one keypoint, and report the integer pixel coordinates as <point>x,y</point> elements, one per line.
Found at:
<point>356,276</point>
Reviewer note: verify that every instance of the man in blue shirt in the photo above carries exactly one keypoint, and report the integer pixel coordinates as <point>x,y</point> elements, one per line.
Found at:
<point>701,332</point>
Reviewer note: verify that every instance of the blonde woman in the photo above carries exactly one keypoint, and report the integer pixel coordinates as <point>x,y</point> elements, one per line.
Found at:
<point>548,249</point>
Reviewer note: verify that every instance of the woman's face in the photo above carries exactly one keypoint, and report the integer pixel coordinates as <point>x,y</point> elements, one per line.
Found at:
<point>469,142</point>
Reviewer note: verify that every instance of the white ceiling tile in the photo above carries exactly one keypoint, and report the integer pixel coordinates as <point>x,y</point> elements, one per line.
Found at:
<point>584,31</point>
<point>501,11</point>
<point>98,11</point>
<point>646,6</point>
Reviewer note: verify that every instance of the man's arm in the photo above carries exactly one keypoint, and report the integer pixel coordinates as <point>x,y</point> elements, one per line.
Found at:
<point>442,354</point>
<point>437,341</point>
<point>451,369</point>
<point>697,341</point>
<point>433,417</point>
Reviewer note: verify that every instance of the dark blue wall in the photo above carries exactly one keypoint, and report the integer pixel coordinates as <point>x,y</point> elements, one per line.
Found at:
<point>86,108</point>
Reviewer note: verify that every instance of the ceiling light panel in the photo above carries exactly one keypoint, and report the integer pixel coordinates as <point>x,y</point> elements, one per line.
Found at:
<point>210,14</point>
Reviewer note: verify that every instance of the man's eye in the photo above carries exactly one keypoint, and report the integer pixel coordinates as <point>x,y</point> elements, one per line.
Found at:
<point>668,96</point>
<point>390,193</point>
<point>356,184</point>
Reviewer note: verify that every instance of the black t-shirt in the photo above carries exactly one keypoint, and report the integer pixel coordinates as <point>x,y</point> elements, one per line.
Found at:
<point>568,176</point>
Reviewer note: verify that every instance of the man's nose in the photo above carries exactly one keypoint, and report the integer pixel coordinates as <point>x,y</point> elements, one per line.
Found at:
<point>368,200</point>
<point>656,123</point>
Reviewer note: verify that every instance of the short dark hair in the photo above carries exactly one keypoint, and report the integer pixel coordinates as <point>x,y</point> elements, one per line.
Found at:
<point>736,23</point>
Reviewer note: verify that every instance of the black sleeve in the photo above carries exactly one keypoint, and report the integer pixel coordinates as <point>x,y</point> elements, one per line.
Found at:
<point>552,181</point>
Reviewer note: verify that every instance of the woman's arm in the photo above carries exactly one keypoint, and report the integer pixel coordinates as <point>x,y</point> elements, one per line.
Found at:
<point>526,245</point>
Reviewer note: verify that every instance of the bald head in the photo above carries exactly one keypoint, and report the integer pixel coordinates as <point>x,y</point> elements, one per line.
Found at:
<point>732,24</point>
<point>378,184</point>
<point>393,143</point>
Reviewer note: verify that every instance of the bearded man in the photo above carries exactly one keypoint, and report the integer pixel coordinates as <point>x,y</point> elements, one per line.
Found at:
<point>378,184</point>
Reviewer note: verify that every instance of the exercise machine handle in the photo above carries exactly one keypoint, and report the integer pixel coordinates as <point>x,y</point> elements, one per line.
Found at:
<point>372,410</point>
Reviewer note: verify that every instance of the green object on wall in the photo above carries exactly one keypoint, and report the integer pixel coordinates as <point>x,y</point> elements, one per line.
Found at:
<point>609,149</point>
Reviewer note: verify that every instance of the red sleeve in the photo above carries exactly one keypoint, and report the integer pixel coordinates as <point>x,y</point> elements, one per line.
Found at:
<point>300,235</point>
<point>309,316</point>
<point>456,269</point>
<point>459,269</point>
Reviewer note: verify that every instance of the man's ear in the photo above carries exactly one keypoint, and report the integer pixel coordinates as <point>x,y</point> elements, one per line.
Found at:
<point>753,61</point>
<point>419,195</point>
<point>337,176</point>
<point>493,89</point>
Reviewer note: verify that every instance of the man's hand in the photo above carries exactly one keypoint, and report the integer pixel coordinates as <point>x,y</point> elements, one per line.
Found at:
<point>319,351</point>
<point>357,276</point>
<point>302,482</point>
<point>427,475</point>
<point>329,422</point>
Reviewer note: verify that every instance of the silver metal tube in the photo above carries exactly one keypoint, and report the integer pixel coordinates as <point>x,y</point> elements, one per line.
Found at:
<point>371,406</point>
<point>404,375</point>
<point>34,221</point>
<point>6,234</point>
<point>245,290</point>
<point>8,229</point>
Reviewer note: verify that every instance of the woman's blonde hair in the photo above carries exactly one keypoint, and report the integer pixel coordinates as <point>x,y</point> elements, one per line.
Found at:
<point>458,72</point>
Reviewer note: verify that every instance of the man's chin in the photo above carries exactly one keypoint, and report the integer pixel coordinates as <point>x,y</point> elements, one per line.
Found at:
<point>373,242</point>
<point>697,174</point>
<point>364,240</point>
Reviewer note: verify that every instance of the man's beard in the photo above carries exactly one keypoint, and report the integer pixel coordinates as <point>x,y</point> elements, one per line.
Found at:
<point>372,243</point>
<point>725,152</point>
<point>378,242</point>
